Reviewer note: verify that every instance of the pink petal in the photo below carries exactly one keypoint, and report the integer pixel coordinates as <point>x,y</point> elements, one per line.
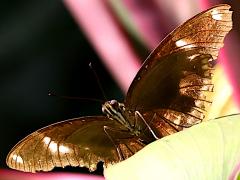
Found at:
<point>16,175</point>
<point>103,31</point>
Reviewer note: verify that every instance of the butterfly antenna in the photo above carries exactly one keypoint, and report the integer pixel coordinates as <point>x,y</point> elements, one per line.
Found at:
<point>75,98</point>
<point>98,81</point>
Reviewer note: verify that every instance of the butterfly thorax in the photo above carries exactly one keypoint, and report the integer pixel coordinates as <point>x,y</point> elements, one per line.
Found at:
<point>116,111</point>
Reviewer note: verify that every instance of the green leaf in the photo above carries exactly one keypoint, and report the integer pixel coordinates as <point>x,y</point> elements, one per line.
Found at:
<point>210,150</point>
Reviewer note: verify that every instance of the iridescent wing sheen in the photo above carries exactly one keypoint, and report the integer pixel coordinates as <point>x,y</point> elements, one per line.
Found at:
<point>170,91</point>
<point>76,142</point>
<point>175,78</point>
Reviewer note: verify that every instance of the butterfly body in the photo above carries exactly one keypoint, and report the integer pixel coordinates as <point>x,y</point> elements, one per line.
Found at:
<point>131,124</point>
<point>171,91</point>
<point>116,111</point>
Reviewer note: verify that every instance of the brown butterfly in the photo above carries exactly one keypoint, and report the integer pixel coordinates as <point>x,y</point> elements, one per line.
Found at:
<point>168,94</point>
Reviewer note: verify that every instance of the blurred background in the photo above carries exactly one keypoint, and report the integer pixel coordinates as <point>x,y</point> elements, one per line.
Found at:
<point>46,46</point>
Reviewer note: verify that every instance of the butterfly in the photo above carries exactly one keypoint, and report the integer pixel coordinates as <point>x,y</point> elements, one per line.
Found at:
<point>169,93</point>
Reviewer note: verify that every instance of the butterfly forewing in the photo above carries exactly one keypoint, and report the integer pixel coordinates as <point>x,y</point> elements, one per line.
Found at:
<point>175,80</point>
<point>76,142</point>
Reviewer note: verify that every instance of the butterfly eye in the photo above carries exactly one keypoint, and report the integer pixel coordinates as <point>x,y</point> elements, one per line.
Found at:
<point>114,104</point>
<point>121,106</point>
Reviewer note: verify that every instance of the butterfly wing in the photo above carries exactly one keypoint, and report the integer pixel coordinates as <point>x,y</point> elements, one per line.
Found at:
<point>177,74</point>
<point>75,142</point>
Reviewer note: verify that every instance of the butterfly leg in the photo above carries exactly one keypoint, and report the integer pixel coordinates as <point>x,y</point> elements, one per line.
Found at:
<point>107,131</point>
<point>138,114</point>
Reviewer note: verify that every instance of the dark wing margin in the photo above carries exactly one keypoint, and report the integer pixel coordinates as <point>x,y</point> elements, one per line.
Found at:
<point>181,65</point>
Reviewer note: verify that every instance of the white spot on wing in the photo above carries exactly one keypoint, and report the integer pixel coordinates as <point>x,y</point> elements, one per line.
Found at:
<point>181,43</point>
<point>184,43</point>
<point>215,15</point>
<point>177,120</point>
<point>46,140</point>
<point>17,158</point>
<point>53,147</point>
<point>63,149</point>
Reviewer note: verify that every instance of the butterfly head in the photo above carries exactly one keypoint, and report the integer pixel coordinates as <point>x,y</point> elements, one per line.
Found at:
<point>112,108</point>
